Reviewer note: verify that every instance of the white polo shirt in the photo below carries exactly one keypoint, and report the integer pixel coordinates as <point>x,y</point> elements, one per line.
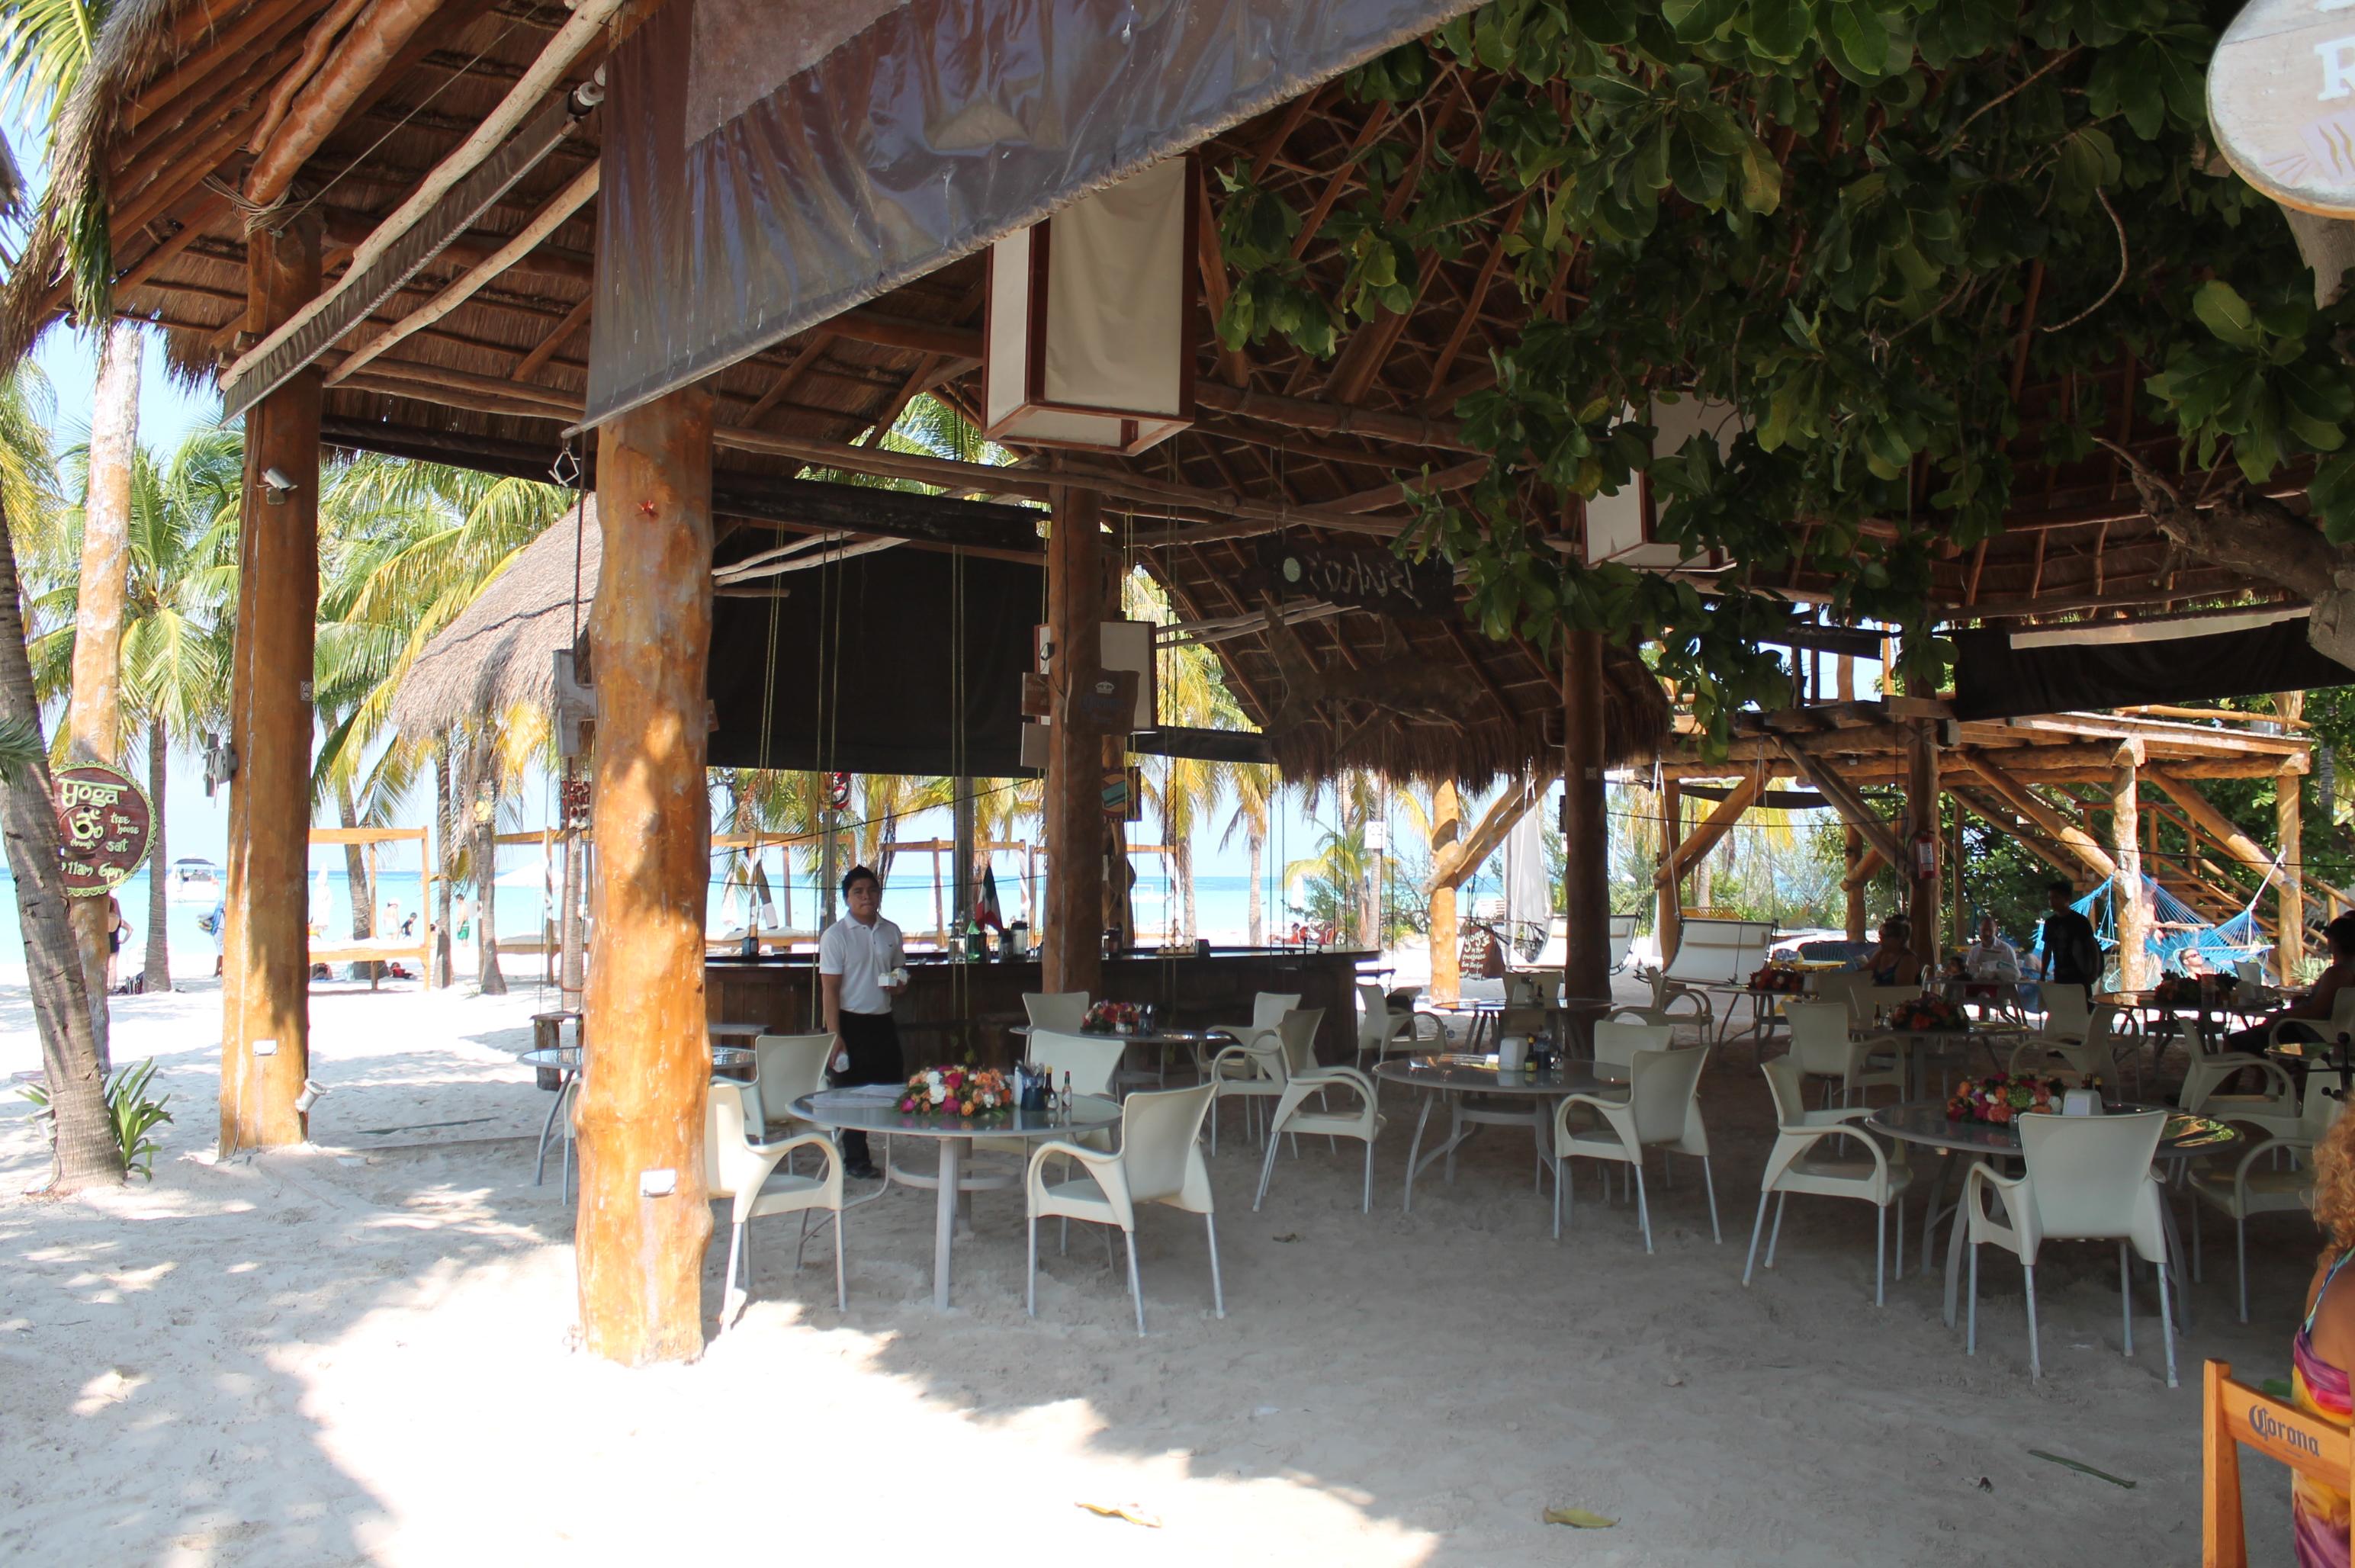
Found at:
<point>860,955</point>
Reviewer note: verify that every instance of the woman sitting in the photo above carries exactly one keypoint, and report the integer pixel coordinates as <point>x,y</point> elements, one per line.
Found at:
<point>2319,1003</point>
<point>2323,1347</point>
<point>1893,960</point>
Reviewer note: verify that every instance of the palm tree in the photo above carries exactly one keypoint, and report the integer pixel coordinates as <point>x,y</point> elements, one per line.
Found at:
<point>84,1151</point>
<point>1255,786</point>
<point>45,46</point>
<point>176,642</point>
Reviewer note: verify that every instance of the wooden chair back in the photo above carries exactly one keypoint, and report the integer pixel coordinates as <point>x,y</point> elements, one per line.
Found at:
<point>2234,1414</point>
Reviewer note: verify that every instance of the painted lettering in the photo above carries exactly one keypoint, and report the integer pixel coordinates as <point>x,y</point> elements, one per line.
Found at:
<point>2338,57</point>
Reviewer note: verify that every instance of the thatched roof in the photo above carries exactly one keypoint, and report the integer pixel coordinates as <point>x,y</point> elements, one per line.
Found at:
<point>494,380</point>
<point>498,653</point>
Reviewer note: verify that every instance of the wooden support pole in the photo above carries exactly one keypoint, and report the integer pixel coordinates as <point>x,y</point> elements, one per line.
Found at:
<point>265,952</point>
<point>1922,815</point>
<point>1074,810</point>
<point>1446,937</point>
<point>2289,935</point>
<point>1585,832</point>
<point>1707,833</point>
<point>643,1219</point>
<point>2128,897</point>
<point>1669,921</point>
<point>1852,842</point>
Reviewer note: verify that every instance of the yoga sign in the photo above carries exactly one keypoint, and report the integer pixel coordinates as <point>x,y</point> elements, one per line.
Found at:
<point>2281,96</point>
<point>107,825</point>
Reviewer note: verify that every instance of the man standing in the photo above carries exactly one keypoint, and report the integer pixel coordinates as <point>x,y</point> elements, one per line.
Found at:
<point>860,969</point>
<point>2072,955</point>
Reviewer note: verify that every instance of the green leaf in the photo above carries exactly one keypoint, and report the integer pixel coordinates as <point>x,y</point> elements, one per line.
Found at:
<point>2221,309</point>
<point>1860,37</point>
<point>1762,181</point>
<point>1778,29</point>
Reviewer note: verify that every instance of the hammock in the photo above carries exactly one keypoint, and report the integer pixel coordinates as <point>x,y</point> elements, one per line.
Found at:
<point>2177,929</point>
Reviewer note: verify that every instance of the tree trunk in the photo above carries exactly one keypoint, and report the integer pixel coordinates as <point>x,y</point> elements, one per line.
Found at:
<point>568,967</point>
<point>1258,916</point>
<point>1444,927</point>
<point>85,1152</point>
<point>447,884</point>
<point>488,980</point>
<point>1072,818</point>
<point>642,1221</point>
<point>158,976</point>
<point>358,885</point>
<point>94,711</point>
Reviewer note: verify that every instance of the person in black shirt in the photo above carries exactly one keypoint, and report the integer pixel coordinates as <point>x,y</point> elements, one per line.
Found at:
<point>2072,955</point>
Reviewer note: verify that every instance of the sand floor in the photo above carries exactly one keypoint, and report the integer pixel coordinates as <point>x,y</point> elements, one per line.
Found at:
<point>363,1353</point>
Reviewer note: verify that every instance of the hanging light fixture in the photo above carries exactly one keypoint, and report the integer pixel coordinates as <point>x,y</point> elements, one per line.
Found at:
<point>1623,526</point>
<point>1089,312</point>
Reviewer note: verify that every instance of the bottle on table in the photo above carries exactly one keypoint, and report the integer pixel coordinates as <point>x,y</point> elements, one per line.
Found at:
<point>1064,1103</point>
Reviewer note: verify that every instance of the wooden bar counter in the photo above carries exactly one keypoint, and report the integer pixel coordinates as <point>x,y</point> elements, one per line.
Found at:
<point>950,1007</point>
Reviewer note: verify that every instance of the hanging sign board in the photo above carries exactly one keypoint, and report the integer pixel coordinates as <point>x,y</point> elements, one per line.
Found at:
<point>1361,577</point>
<point>107,824</point>
<point>837,791</point>
<point>2281,96</point>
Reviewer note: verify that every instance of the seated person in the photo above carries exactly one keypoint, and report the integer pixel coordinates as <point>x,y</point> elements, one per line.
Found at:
<point>2319,1003</point>
<point>1991,959</point>
<point>2323,1347</point>
<point>1891,959</point>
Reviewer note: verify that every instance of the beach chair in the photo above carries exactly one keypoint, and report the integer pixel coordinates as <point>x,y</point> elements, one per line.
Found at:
<point>1623,939</point>
<point>1712,952</point>
<point>2234,1413</point>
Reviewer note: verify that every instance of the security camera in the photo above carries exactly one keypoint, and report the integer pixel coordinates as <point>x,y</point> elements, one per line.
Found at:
<point>275,485</point>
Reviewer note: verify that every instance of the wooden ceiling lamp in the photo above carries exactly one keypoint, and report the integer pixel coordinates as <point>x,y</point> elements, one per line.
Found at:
<point>1088,319</point>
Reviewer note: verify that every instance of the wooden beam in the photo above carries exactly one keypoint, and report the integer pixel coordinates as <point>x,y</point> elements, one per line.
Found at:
<point>642,1220</point>
<point>1446,927</point>
<point>558,210</point>
<point>1585,828</point>
<point>1922,812</point>
<point>1333,419</point>
<point>1668,908</point>
<point>2244,851</point>
<point>1853,810</point>
<point>2090,856</point>
<point>320,107</point>
<point>807,355</point>
<point>1707,832</point>
<point>2002,821</point>
<point>265,959</point>
<point>1472,852</point>
<point>532,363</point>
<point>2289,832</point>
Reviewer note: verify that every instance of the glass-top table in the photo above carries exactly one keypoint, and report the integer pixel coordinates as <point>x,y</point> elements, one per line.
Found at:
<point>566,1060</point>
<point>1199,1042</point>
<point>874,1110</point>
<point>1466,1082</point>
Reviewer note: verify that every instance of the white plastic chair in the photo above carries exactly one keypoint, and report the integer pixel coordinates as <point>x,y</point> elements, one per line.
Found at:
<point>1821,1046</point>
<point>2274,1188</point>
<point>1616,1042</point>
<point>1268,1008</point>
<point>1294,1115</point>
<point>2273,1110</point>
<point>1259,1067</point>
<point>1159,1161</point>
<point>1062,1011</point>
<point>1662,1111</point>
<point>1094,1062</point>
<point>1383,1030</point>
<point>2066,1012</point>
<point>1796,1166</point>
<point>785,1068</point>
<point>2090,1051</point>
<point>2086,1179</point>
<point>745,1173</point>
<point>1865,999</point>
<point>2341,1021</point>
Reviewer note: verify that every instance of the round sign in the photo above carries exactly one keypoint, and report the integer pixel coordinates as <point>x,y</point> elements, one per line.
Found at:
<point>2281,96</point>
<point>107,825</point>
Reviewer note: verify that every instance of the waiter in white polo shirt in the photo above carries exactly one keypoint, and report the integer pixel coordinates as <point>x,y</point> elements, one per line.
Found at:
<point>860,967</point>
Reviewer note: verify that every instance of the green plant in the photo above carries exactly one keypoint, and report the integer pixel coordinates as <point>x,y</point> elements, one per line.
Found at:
<point>134,1112</point>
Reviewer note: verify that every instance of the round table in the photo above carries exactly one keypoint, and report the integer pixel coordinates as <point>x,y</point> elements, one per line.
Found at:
<point>1454,1077</point>
<point>565,1061</point>
<point>1193,1039</point>
<point>1926,1122</point>
<point>866,1111</point>
<point>1911,1044</point>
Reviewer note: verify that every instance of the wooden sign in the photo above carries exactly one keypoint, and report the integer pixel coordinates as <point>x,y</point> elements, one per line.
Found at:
<point>107,825</point>
<point>1364,576</point>
<point>1124,794</point>
<point>2281,96</point>
<point>1105,705</point>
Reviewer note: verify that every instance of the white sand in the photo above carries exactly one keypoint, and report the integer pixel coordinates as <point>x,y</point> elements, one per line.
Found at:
<point>361,1354</point>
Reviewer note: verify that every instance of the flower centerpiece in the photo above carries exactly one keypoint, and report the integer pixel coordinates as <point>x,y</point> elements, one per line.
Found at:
<point>2003,1097</point>
<point>1113,1017</point>
<point>1779,980</point>
<point>957,1092</point>
<point>1926,1015</point>
<point>2192,990</point>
